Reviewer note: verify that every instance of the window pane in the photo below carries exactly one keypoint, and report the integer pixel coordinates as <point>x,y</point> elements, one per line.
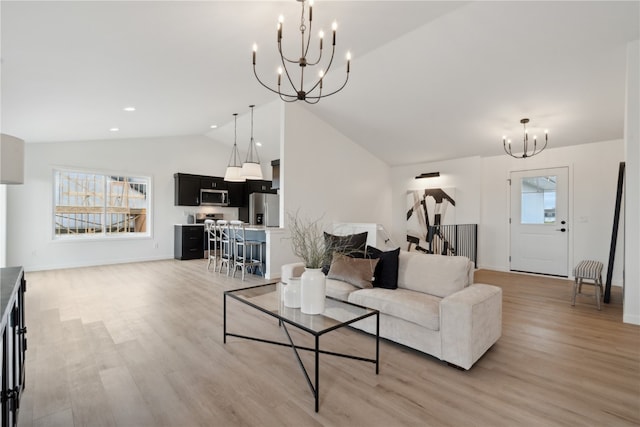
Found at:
<point>79,203</point>
<point>538,200</point>
<point>88,203</point>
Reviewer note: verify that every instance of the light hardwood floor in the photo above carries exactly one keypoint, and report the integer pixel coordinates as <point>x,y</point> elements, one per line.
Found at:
<point>141,345</point>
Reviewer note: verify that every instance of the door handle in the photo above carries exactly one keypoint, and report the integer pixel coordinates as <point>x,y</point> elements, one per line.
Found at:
<point>561,229</point>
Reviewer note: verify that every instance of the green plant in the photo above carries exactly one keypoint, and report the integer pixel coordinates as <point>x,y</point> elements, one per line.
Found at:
<point>307,240</point>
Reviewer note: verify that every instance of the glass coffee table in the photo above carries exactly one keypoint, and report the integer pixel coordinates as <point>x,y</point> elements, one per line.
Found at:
<point>267,299</point>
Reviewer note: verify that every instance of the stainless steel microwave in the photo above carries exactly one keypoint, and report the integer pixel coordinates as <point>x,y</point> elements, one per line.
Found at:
<point>214,197</point>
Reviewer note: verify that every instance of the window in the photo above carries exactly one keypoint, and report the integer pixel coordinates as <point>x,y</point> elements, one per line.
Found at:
<point>90,204</point>
<point>538,200</point>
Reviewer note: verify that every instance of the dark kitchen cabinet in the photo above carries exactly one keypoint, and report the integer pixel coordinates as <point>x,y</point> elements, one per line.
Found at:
<point>14,342</point>
<point>213,183</point>
<point>188,242</point>
<point>237,191</point>
<point>259,186</point>
<point>187,189</point>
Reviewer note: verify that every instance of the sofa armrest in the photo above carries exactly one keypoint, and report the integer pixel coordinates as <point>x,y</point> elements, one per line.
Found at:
<point>294,269</point>
<point>470,323</point>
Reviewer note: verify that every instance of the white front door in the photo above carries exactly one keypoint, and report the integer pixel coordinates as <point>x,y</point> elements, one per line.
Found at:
<point>539,221</point>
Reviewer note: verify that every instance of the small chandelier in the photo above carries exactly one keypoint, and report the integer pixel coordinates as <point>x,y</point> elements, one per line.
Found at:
<point>234,170</point>
<point>251,167</point>
<point>506,143</point>
<point>313,92</point>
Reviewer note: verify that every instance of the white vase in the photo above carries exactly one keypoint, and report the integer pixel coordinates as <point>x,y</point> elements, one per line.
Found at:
<point>312,291</point>
<point>292,293</point>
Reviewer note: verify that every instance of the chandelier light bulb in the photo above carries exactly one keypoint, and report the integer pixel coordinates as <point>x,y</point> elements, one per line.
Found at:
<point>334,26</point>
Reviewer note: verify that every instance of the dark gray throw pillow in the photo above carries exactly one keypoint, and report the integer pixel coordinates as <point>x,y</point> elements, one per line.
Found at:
<point>386,272</point>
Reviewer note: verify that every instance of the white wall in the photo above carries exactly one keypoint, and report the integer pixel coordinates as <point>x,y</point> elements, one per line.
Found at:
<point>323,173</point>
<point>632,187</point>
<point>482,196</point>
<point>3,225</point>
<point>29,206</point>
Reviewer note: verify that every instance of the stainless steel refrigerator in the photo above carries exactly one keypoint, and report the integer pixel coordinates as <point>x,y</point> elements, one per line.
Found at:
<point>264,209</point>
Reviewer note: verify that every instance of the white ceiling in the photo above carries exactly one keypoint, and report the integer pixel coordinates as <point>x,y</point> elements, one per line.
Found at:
<point>429,80</point>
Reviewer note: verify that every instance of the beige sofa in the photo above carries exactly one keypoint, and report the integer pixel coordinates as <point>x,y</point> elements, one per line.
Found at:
<point>436,308</point>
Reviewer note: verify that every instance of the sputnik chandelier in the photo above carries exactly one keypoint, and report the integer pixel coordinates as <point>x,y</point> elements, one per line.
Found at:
<point>506,143</point>
<point>308,92</point>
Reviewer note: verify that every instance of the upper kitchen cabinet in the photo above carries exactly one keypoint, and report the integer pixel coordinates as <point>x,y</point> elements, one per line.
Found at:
<point>187,189</point>
<point>237,194</point>
<point>259,186</point>
<point>213,183</point>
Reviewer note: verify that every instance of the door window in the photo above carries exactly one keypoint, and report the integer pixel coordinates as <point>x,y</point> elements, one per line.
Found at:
<point>538,200</point>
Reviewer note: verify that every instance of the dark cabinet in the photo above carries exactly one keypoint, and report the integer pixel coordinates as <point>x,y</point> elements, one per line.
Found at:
<point>14,342</point>
<point>259,186</point>
<point>187,189</point>
<point>188,242</point>
<point>237,191</point>
<point>213,183</point>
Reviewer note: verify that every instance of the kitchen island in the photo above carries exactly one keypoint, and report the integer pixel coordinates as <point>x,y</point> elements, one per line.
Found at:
<point>276,249</point>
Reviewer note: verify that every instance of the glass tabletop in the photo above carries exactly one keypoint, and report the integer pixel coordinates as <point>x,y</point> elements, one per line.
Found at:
<point>268,298</point>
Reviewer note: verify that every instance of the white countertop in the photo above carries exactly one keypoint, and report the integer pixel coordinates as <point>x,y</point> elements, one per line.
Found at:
<point>248,228</point>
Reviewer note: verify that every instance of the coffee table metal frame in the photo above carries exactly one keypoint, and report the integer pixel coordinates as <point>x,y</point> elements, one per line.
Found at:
<point>239,295</point>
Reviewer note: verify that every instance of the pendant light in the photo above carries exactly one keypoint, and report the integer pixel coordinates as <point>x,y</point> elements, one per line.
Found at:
<point>251,167</point>
<point>234,170</point>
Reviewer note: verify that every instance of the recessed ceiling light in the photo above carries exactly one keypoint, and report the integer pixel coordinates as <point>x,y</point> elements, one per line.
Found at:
<point>214,126</point>
<point>129,108</point>
<point>259,144</point>
<point>114,129</point>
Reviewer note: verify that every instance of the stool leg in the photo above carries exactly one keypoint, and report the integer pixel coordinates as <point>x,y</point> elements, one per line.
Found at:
<point>598,287</point>
<point>573,293</point>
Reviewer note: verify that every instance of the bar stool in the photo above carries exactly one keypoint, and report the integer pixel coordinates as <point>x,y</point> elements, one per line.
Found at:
<point>213,242</point>
<point>589,270</point>
<point>244,250</point>
<point>226,245</point>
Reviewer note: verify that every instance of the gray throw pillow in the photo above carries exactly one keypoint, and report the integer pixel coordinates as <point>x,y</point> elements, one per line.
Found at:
<point>356,271</point>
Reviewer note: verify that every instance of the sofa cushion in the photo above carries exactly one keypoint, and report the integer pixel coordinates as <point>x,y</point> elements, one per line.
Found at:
<point>339,289</point>
<point>438,275</point>
<point>386,273</point>
<point>349,244</point>
<point>356,271</point>
<point>419,308</point>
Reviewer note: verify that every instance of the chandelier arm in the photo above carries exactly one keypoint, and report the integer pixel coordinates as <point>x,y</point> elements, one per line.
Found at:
<point>331,93</point>
<point>317,99</point>
<point>320,56</point>
<point>540,150</point>
<point>267,87</point>
<point>288,100</point>
<point>325,73</point>
<point>286,71</point>
<point>284,58</point>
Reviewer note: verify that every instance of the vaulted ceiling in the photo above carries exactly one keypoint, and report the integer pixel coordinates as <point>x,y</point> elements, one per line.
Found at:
<point>429,80</point>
